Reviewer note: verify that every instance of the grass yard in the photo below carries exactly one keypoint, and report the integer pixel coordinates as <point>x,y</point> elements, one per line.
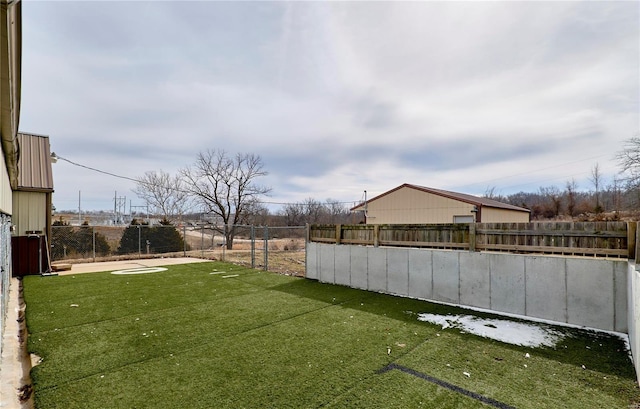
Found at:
<point>216,335</point>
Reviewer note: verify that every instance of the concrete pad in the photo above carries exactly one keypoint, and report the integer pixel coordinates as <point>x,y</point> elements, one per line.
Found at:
<point>359,267</point>
<point>507,283</point>
<point>377,269</point>
<point>127,264</point>
<point>475,280</point>
<point>343,268</point>
<point>398,271</point>
<point>590,293</point>
<point>446,276</point>
<point>420,274</point>
<point>546,289</point>
<point>327,269</point>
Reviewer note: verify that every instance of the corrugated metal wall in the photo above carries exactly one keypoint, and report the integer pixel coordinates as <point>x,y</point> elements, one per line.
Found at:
<point>493,215</point>
<point>34,166</point>
<point>33,212</point>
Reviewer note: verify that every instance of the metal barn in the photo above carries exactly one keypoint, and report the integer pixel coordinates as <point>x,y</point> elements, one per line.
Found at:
<point>413,204</point>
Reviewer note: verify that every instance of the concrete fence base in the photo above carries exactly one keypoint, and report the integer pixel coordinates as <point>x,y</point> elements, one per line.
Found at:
<point>633,297</point>
<point>573,290</point>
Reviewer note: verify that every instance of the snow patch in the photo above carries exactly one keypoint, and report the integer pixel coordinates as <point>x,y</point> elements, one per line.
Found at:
<point>511,332</point>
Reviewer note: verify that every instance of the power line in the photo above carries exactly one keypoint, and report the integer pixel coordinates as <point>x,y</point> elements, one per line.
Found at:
<point>54,156</point>
<point>104,172</point>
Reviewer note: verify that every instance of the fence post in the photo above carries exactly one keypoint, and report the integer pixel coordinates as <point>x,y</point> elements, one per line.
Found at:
<point>338,233</point>
<point>266,248</point>
<point>139,242</point>
<point>376,235</point>
<point>253,247</point>
<point>94,244</point>
<point>472,237</point>
<point>631,239</point>
<point>307,236</point>
<point>184,237</point>
<point>202,242</point>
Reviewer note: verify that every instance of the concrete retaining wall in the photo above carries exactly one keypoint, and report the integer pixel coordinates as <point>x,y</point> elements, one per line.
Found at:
<point>580,291</point>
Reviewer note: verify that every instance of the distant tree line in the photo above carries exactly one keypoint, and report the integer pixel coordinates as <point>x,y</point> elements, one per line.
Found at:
<point>226,188</point>
<point>612,200</point>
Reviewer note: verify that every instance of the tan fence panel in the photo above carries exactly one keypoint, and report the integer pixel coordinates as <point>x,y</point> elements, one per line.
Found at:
<point>597,239</point>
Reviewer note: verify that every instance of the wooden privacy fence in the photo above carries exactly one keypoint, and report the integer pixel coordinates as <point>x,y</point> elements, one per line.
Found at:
<point>597,239</point>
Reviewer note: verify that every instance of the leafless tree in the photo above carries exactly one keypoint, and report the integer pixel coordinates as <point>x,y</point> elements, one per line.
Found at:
<point>596,180</point>
<point>491,193</point>
<point>571,188</point>
<point>616,193</point>
<point>293,214</point>
<point>313,210</point>
<point>629,160</point>
<point>164,194</point>
<point>337,211</point>
<point>226,186</point>
<point>554,206</point>
<point>256,213</point>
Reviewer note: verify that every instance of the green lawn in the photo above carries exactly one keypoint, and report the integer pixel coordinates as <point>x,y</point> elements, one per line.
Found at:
<point>187,338</point>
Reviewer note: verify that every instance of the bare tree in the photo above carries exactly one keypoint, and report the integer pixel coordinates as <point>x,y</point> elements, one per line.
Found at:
<point>164,194</point>
<point>616,193</point>
<point>226,186</point>
<point>596,180</point>
<point>629,160</point>
<point>491,193</point>
<point>256,213</point>
<point>553,207</point>
<point>572,188</point>
<point>293,214</point>
<point>337,211</point>
<point>313,210</point>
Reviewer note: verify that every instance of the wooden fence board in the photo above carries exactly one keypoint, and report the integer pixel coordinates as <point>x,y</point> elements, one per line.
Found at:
<point>598,239</point>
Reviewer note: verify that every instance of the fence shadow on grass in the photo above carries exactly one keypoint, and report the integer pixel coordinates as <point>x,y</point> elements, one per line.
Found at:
<point>597,351</point>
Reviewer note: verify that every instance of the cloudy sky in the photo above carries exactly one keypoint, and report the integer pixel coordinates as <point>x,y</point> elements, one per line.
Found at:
<point>336,97</point>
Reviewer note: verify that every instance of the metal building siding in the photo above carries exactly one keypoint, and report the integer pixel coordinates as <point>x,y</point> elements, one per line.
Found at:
<point>411,206</point>
<point>33,212</point>
<point>34,165</point>
<point>493,215</point>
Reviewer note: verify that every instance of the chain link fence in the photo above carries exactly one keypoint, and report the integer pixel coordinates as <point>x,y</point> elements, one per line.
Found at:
<point>278,249</point>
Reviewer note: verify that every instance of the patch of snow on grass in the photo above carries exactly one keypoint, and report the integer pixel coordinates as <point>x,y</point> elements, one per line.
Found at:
<point>511,332</point>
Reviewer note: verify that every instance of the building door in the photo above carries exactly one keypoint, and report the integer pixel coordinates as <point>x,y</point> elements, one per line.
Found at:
<point>463,219</point>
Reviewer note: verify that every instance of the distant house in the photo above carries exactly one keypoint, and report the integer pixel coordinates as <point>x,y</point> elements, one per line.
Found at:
<point>413,204</point>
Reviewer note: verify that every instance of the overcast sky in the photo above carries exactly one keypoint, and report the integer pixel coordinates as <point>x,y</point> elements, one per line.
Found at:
<point>336,98</point>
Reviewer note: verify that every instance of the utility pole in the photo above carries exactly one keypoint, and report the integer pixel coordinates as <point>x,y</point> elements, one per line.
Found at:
<point>119,208</point>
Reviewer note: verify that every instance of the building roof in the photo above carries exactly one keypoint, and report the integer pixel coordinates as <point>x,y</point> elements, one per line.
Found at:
<point>34,166</point>
<point>462,197</point>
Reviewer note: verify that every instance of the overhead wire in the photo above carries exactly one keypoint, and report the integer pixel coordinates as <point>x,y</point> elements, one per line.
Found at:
<point>54,155</point>
<point>351,202</point>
